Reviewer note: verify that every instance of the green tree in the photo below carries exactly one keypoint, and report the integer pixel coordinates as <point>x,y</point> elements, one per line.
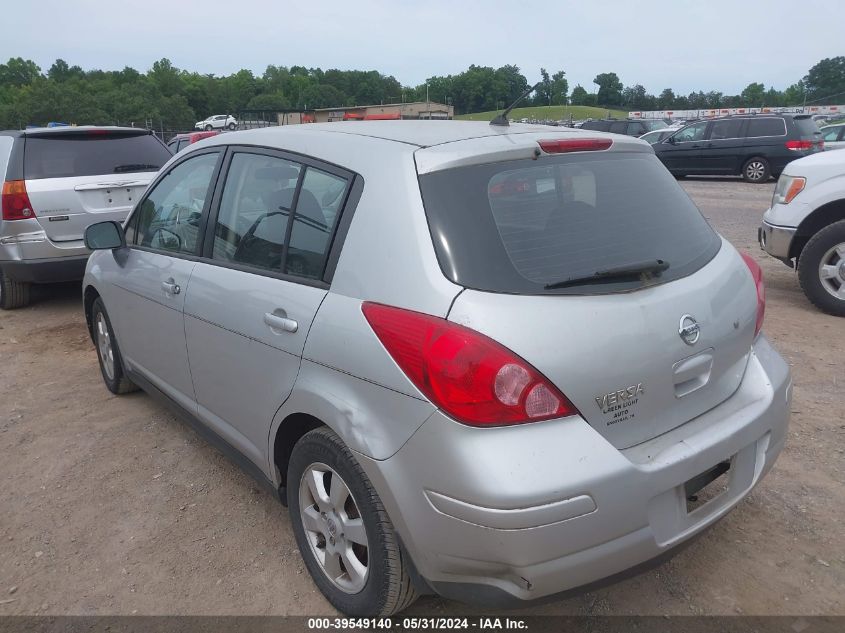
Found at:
<point>610,89</point>
<point>666,100</point>
<point>18,72</point>
<point>825,82</point>
<point>754,95</point>
<point>579,95</point>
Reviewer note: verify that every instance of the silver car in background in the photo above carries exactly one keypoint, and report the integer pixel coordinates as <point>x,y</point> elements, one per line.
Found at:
<point>490,362</point>
<point>56,182</point>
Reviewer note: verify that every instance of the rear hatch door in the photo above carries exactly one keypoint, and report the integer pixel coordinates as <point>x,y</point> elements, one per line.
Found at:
<point>77,178</point>
<point>623,348</point>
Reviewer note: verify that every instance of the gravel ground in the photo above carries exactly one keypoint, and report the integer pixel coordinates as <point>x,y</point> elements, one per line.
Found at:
<point>110,505</point>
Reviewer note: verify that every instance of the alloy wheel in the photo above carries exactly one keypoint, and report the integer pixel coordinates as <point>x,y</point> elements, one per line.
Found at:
<point>334,528</point>
<point>755,170</point>
<point>104,345</point>
<point>832,271</point>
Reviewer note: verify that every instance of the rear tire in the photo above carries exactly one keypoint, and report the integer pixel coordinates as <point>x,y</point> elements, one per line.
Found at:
<point>756,170</point>
<point>108,353</point>
<point>821,269</point>
<point>381,584</point>
<point>13,294</point>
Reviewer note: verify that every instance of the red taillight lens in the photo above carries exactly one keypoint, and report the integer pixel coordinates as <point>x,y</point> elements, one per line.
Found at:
<point>16,205</point>
<point>757,274</point>
<point>799,145</point>
<point>468,375</point>
<point>564,146</point>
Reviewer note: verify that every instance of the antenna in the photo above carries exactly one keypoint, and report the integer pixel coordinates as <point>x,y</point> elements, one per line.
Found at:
<point>502,119</point>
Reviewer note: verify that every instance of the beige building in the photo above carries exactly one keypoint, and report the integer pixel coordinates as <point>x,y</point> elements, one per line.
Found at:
<point>388,111</point>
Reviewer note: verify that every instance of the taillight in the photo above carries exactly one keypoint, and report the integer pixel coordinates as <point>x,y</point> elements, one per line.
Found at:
<point>564,146</point>
<point>799,145</point>
<point>469,376</point>
<point>757,274</point>
<point>16,205</point>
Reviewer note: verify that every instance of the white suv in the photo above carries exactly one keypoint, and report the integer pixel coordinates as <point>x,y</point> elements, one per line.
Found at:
<point>805,227</point>
<point>217,122</point>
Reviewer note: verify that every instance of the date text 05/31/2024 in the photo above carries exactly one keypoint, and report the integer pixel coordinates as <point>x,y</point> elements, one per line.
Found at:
<point>423,623</point>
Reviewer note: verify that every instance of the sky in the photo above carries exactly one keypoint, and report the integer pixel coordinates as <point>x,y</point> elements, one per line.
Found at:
<point>687,45</point>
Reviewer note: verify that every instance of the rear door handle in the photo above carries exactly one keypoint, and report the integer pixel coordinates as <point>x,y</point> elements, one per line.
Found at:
<point>278,320</point>
<point>171,287</point>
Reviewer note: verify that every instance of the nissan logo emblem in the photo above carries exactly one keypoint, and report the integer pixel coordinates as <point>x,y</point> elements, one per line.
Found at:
<point>689,330</point>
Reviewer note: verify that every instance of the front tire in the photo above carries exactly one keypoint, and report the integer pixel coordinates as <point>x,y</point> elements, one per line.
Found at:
<point>343,531</point>
<point>756,170</point>
<point>108,353</point>
<point>208,128</point>
<point>821,269</point>
<point>232,126</point>
<point>13,294</point>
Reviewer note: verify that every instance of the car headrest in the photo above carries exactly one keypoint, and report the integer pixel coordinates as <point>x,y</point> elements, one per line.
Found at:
<point>278,172</point>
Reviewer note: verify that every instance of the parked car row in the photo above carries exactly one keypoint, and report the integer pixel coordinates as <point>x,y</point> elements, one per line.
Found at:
<point>755,147</point>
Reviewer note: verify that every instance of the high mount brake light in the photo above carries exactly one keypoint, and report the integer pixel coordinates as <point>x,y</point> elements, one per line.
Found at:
<point>469,376</point>
<point>564,146</point>
<point>757,274</point>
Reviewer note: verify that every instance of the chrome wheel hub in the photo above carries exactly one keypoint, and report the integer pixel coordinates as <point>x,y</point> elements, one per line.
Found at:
<point>104,345</point>
<point>334,528</point>
<point>755,170</point>
<point>832,271</point>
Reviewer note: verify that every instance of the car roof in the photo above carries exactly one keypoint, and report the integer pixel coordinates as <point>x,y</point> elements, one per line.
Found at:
<point>417,133</point>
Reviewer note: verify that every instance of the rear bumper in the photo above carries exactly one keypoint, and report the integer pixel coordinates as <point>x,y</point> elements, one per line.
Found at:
<point>28,255</point>
<point>45,270</point>
<point>515,514</point>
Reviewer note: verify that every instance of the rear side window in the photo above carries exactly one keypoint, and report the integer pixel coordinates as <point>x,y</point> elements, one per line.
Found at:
<point>91,154</point>
<point>766,127</point>
<point>619,127</point>
<point>523,225</point>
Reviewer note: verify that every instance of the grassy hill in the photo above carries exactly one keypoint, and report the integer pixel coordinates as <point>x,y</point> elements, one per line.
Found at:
<point>546,112</point>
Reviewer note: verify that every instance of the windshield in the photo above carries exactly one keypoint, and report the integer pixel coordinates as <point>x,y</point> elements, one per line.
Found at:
<point>525,225</point>
<point>655,125</point>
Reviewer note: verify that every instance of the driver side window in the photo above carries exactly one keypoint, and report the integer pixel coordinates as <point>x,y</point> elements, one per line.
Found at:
<point>692,133</point>
<point>169,217</point>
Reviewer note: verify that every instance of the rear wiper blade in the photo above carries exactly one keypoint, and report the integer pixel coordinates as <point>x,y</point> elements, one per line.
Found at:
<point>620,273</point>
<point>121,169</point>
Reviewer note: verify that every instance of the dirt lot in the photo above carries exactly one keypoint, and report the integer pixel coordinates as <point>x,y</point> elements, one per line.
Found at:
<point>110,505</point>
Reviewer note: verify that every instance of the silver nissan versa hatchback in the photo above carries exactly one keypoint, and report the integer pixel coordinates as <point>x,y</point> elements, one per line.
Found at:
<point>493,363</point>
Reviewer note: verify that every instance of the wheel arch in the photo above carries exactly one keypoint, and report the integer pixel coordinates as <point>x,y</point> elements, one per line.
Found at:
<point>290,430</point>
<point>821,217</point>
<point>89,295</point>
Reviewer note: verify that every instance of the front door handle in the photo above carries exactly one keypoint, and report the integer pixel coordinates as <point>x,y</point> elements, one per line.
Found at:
<point>171,287</point>
<point>278,320</point>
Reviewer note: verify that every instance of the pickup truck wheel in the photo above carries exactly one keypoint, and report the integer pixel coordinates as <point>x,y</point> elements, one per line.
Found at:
<point>13,294</point>
<point>343,531</point>
<point>821,269</point>
<point>756,170</point>
<point>108,353</point>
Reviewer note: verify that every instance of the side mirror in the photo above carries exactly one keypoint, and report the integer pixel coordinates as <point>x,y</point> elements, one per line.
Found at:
<point>104,236</point>
<point>671,140</point>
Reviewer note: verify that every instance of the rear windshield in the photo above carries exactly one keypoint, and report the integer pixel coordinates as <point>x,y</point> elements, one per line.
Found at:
<point>653,125</point>
<point>806,126</point>
<point>87,154</point>
<point>516,227</point>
